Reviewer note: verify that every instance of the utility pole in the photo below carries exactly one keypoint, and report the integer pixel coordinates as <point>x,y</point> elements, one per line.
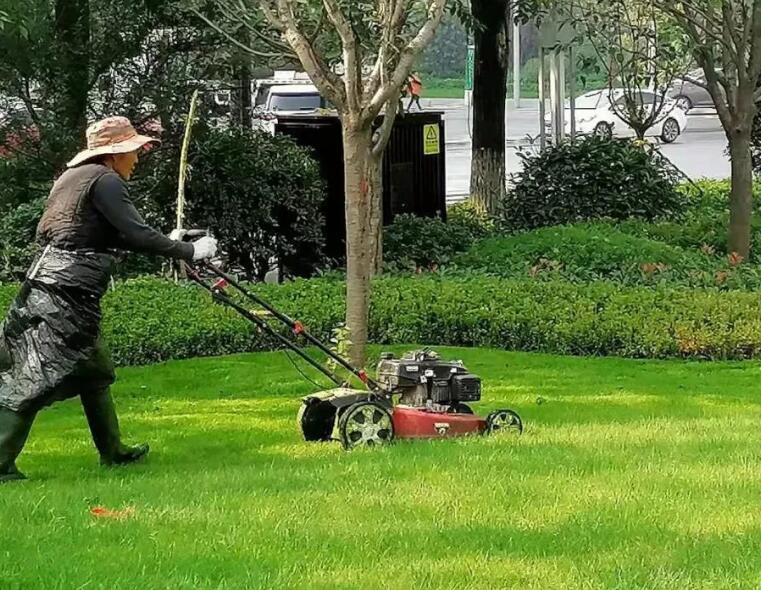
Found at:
<point>556,38</point>
<point>516,64</point>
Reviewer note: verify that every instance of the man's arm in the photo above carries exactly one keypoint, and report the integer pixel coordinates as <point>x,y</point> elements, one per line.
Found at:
<point>111,198</point>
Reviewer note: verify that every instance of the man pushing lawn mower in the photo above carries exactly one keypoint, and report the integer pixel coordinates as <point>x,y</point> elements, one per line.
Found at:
<point>50,345</point>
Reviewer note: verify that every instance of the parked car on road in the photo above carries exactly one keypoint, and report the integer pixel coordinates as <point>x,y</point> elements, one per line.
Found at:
<point>596,115</point>
<point>689,95</point>
<point>301,98</point>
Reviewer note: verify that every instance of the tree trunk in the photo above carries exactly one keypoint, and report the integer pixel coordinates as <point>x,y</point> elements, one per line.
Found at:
<point>241,97</point>
<point>72,29</point>
<point>487,176</point>
<point>741,198</point>
<point>363,218</point>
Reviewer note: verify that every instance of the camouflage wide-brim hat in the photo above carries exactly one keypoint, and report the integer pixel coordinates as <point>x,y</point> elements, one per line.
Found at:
<point>114,135</point>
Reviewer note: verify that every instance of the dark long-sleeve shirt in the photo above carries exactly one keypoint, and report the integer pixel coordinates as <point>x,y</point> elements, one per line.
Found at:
<point>111,198</point>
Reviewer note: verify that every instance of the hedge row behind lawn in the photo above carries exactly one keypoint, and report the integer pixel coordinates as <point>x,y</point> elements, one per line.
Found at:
<point>149,320</point>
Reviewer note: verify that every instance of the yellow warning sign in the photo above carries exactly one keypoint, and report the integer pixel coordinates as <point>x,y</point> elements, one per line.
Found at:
<point>431,144</point>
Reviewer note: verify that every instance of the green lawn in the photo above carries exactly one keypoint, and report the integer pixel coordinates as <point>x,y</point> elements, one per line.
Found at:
<point>630,475</point>
<point>443,88</point>
<point>455,87</point>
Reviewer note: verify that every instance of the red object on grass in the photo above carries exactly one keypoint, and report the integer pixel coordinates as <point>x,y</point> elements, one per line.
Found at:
<point>101,512</point>
<point>298,328</point>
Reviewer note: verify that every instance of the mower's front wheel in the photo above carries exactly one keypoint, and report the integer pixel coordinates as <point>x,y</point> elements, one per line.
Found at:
<point>365,424</point>
<point>504,421</point>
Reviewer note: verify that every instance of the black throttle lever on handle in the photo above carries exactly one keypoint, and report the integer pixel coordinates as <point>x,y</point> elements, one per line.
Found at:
<point>193,234</point>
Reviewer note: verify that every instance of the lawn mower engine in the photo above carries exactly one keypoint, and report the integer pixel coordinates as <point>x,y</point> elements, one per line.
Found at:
<point>432,396</point>
<point>423,380</point>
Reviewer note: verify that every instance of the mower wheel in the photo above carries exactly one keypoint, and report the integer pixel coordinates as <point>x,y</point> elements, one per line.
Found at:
<point>365,424</point>
<point>505,421</point>
<point>459,408</point>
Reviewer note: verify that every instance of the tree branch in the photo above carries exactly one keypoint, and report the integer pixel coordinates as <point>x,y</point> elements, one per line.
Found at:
<point>724,108</point>
<point>273,19</point>
<point>351,54</point>
<point>704,57</point>
<point>394,19</point>
<point>318,28</point>
<point>754,63</point>
<point>730,31</point>
<point>700,31</point>
<point>25,95</point>
<point>233,40</point>
<point>383,134</point>
<point>240,15</point>
<point>329,84</point>
<point>409,53</point>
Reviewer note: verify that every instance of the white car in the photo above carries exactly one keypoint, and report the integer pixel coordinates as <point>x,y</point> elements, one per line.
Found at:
<point>595,115</point>
<point>295,99</point>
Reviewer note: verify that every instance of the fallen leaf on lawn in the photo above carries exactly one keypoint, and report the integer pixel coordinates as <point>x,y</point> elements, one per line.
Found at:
<point>101,512</point>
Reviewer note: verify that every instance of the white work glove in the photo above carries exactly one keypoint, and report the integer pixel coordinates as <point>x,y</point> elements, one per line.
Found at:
<point>204,248</point>
<point>177,235</point>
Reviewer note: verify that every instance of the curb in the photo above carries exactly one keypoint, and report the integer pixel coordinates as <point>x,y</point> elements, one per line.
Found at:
<point>520,141</point>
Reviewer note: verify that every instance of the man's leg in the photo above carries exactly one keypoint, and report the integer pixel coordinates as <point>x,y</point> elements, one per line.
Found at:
<point>14,430</point>
<point>104,426</point>
<point>92,380</point>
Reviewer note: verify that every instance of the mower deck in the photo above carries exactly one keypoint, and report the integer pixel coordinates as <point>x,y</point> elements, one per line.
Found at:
<point>412,422</point>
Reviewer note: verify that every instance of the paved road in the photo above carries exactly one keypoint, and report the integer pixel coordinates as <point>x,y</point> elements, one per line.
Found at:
<point>699,152</point>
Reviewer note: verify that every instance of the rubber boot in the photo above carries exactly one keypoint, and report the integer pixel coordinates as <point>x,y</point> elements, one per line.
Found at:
<point>14,430</point>
<point>104,426</point>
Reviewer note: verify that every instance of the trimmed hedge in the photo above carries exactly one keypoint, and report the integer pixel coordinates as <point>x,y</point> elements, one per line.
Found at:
<point>149,320</point>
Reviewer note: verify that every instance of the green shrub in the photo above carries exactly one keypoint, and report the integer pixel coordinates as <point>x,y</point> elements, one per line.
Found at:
<point>261,195</point>
<point>149,320</point>
<point>17,229</point>
<point>601,251</point>
<point>583,252</point>
<point>24,176</point>
<point>411,243</point>
<point>476,222</point>
<point>587,180</point>
<point>704,222</point>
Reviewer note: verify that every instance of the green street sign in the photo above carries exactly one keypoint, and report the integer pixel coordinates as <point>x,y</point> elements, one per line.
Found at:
<point>470,66</point>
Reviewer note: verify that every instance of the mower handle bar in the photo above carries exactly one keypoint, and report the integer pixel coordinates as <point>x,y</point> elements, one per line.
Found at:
<point>218,295</point>
<point>295,326</point>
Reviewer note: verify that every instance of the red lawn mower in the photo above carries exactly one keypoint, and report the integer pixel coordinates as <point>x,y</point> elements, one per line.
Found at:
<point>432,393</point>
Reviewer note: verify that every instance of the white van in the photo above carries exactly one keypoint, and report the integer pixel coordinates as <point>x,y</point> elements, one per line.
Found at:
<point>295,99</point>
